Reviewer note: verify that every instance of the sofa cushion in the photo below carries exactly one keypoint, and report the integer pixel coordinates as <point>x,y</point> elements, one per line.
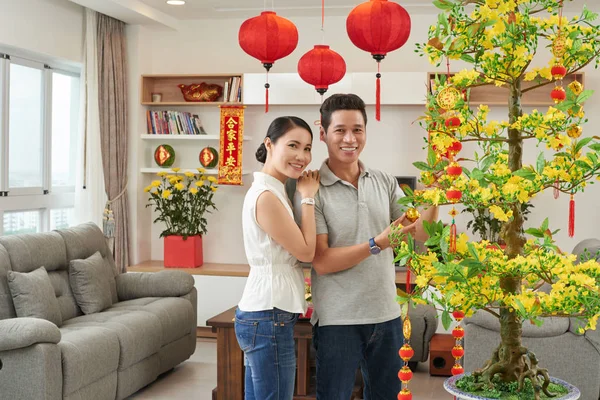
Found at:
<point>90,282</point>
<point>7,309</point>
<point>552,326</point>
<point>176,315</point>
<point>88,354</point>
<point>139,333</point>
<point>33,295</point>
<point>84,240</point>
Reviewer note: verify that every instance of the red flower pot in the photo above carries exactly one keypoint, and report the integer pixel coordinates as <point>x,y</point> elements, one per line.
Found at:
<point>180,253</point>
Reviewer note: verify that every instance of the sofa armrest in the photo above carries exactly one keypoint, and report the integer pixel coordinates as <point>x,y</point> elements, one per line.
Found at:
<point>17,333</point>
<point>134,285</point>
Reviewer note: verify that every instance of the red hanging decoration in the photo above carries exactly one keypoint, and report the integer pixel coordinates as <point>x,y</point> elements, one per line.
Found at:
<point>572,216</point>
<point>321,67</point>
<point>558,94</point>
<point>452,247</point>
<point>378,26</point>
<point>556,188</point>
<point>458,350</point>
<point>268,38</point>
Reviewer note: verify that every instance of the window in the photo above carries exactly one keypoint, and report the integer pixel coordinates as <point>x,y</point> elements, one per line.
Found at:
<point>16,223</point>
<point>61,218</point>
<point>39,127</point>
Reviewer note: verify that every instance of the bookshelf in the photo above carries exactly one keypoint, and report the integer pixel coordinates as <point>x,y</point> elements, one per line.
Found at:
<point>155,170</point>
<point>495,96</point>
<point>185,137</point>
<point>166,85</point>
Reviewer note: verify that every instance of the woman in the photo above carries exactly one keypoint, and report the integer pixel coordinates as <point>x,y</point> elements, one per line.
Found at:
<point>274,293</point>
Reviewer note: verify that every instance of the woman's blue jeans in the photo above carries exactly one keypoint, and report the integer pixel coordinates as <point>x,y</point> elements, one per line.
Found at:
<point>267,340</point>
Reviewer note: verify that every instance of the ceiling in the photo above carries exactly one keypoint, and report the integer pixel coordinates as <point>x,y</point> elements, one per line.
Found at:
<point>159,12</point>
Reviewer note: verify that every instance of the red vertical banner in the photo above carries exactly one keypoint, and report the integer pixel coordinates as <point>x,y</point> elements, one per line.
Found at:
<point>232,136</point>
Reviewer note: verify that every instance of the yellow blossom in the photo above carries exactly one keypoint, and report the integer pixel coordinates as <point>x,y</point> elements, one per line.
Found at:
<point>212,179</point>
<point>213,188</point>
<point>175,169</point>
<point>199,183</point>
<point>162,174</point>
<point>166,194</point>
<point>180,186</point>
<point>193,190</point>
<point>499,213</point>
<point>155,183</point>
<point>189,174</point>
<point>201,170</point>
<point>147,189</point>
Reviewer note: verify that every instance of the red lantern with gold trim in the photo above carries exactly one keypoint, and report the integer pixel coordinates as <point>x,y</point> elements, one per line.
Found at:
<point>405,374</point>
<point>321,67</point>
<point>406,352</point>
<point>558,94</point>
<point>453,195</point>
<point>268,38</point>
<point>405,394</point>
<point>457,369</point>
<point>558,71</point>
<point>454,169</point>
<point>378,26</point>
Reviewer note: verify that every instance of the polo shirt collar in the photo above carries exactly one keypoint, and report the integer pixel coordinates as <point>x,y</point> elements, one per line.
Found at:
<point>328,178</point>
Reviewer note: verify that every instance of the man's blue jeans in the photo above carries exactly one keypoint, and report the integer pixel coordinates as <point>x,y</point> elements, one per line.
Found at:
<point>267,340</point>
<point>342,349</point>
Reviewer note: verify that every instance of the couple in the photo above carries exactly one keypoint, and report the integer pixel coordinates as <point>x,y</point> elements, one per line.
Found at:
<point>344,211</point>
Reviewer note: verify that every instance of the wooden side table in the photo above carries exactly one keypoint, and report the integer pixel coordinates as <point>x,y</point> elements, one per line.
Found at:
<point>440,355</point>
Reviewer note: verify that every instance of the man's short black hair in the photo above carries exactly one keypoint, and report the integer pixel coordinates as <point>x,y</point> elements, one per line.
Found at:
<point>341,102</point>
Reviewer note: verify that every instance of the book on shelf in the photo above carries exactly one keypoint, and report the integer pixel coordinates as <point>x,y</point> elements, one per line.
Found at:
<point>232,91</point>
<point>173,123</point>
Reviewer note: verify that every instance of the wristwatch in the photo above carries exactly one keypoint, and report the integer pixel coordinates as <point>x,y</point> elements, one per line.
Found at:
<point>374,248</point>
<point>308,200</point>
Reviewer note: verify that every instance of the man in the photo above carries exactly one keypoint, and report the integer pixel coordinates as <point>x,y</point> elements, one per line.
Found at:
<point>356,319</point>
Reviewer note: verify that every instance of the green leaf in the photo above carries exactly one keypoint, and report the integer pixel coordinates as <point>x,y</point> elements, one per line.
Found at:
<point>486,162</point>
<point>582,164</point>
<point>565,105</point>
<point>521,307</point>
<point>444,243</point>
<point>525,173</point>
<point>477,174</point>
<point>541,163</point>
<point>401,299</point>
<point>473,251</point>
<point>468,58</point>
<point>595,146</point>
<point>423,166</point>
<point>431,156</point>
<point>586,94</point>
<point>582,143</point>
<point>545,225</point>
<point>535,232</point>
<point>443,5</point>
<point>446,319</point>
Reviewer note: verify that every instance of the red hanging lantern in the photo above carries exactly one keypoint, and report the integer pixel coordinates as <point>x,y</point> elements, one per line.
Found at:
<point>454,169</point>
<point>405,394</point>
<point>558,94</point>
<point>405,374</point>
<point>457,369</point>
<point>458,351</point>
<point>455,147</point>
<point>453,195</point>
<point>452,123</point>
<point>268,38</point>
<point>321,67</point>
<point>558,71</point>
<point>378,26</point>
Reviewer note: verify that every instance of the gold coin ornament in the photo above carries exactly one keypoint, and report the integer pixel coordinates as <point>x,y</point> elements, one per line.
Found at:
<point>448,97</point>
<point>559,46</point>
<point>412,214</point>
<point>576,87</point>
<point>406,328</point>
<point>574,131</point>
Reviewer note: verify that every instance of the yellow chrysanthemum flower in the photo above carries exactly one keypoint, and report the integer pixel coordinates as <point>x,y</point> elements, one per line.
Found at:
<point>212,179</point>
<point>147,189</point>
<point>180,186</point>
<point>201,170</point>
<point>175,169</point>
<point>193,190</point>
<point>161,174</point>
<point>166,194</point>
<point>189,174</point>
<point>199,183</point>
<point>155,183</point>
<point>213,188</point>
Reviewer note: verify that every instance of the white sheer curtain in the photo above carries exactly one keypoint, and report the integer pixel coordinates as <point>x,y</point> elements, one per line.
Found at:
<point>90,196</point>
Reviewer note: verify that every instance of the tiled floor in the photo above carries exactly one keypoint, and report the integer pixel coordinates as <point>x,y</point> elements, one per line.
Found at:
<point>196,378</point>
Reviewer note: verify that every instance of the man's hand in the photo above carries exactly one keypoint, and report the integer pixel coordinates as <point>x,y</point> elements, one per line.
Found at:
<point>383,240</point>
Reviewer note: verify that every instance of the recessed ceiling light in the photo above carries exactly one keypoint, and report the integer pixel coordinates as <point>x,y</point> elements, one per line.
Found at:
<point>176,2</point>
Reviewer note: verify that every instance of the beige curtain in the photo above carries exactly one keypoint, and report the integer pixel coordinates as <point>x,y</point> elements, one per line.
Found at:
<point>112,99</point>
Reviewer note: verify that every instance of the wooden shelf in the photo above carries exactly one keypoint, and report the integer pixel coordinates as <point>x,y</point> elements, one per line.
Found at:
<point>191,103</point>
<point>167,86</point>
<point>216,269</point>
<point>145,136</point>
<point>156,170</point>
<point>498,96</point>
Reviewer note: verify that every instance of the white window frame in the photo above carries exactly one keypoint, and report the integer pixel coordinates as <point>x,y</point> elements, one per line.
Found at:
<point>44,198</point>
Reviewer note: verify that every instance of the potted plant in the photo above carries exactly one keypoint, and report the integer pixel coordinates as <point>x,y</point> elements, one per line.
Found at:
<point>180,200</point>
<point>500,39</point>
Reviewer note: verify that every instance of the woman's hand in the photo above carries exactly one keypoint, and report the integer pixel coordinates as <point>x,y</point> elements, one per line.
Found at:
<point>308,183</point>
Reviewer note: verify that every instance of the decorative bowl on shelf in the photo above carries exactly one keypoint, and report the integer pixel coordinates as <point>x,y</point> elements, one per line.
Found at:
<point>164,155</point>
<point>202,92</point>
<point>209,157</point>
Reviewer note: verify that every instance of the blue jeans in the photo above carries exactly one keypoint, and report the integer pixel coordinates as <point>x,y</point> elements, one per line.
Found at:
<point>267,340</point>
<point>342,349</point>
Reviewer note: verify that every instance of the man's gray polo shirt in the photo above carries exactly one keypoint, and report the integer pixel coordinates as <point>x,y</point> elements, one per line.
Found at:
<point>365,293</point>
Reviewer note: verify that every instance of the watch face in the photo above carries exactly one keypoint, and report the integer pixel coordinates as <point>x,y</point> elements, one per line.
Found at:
<point>375,250</point>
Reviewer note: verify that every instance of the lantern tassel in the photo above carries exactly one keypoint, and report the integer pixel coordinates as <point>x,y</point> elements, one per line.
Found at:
<point>378,95</point>
<point>572,216</point>
<point>556,188</point>
<point>453,237</point>
<point>267,93</point>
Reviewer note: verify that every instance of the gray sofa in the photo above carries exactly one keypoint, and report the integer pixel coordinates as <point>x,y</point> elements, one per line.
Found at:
<point>566,354</point>
<point>147,326</point>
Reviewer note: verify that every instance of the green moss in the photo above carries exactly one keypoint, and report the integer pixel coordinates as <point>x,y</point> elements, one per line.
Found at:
<point>507,391</point>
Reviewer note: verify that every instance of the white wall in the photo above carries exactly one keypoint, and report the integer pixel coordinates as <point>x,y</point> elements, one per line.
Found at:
<point>49,27</point>
<point>393,144</point>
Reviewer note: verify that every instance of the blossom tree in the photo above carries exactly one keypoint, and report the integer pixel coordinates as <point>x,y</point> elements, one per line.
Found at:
<point>500,39</point>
